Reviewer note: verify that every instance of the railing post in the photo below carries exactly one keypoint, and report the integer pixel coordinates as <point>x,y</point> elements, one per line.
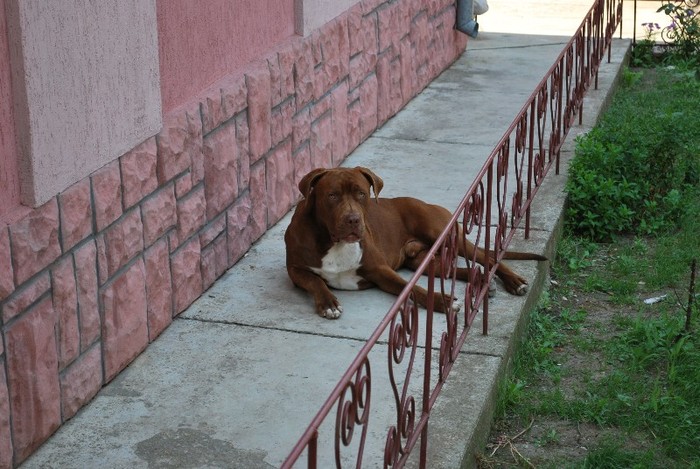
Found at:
<point>487,243</point>
<point>312,452</point>
<point>530,161</point>
<point>430,311</point>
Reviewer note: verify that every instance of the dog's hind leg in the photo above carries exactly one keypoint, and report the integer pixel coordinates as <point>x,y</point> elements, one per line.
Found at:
<point>416,252</point>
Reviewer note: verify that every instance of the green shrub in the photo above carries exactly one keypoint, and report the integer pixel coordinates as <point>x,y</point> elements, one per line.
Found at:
<point>643,54</point>
<point>683,32</point>
<point>680,38</point>
<point>631,172</point>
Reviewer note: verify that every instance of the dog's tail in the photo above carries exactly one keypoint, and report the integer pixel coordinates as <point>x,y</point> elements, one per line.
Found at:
<point>523,256</point>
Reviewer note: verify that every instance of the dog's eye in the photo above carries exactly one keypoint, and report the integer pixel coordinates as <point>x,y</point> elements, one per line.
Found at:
<point>361,194</point>
<point>333,196</point>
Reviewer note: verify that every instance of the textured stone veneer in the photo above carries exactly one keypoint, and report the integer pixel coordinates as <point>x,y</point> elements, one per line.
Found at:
<point>88,279</point>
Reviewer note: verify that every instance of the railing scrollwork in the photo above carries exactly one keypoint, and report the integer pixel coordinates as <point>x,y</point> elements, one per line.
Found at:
<point>403,337</point>
<point>353,410</point>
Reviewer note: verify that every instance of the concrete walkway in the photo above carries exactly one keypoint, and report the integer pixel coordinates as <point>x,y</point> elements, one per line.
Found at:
<point>237,378</point>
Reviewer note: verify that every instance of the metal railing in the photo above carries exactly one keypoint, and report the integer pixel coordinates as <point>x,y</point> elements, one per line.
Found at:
<point>496,203</point>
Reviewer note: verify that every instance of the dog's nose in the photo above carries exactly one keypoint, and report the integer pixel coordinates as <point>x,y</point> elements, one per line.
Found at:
<point>352,220</point>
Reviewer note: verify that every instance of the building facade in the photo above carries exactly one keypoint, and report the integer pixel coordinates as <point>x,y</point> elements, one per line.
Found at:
<point>145,145</point>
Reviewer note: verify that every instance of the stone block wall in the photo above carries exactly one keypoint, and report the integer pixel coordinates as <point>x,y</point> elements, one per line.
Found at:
<point>91,277</point>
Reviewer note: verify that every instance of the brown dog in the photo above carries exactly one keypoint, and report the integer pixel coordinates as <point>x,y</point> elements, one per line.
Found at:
<point>339,237</point>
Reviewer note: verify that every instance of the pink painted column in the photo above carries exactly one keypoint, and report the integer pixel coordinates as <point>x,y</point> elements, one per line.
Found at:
<point>9,181</point>
<point>85,87</point>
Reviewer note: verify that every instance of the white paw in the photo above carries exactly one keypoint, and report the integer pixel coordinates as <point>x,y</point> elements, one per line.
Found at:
<point>456,305</point>
<point>522,289</point>
<point>333,313</point>
<point>492,289</point>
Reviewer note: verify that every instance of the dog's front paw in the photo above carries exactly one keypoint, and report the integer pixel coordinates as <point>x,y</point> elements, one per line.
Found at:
<point>332,313</point>
<point>328,306</point>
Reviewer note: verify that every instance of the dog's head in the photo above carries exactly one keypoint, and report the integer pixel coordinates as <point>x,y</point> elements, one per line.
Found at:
<point>340,198</point>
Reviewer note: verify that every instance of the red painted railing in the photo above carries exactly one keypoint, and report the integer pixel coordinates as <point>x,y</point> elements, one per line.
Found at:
<point>497,202</point>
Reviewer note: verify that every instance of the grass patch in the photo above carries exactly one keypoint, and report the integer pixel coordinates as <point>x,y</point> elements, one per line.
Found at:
<point>628,370</point>
<point>600,369</point>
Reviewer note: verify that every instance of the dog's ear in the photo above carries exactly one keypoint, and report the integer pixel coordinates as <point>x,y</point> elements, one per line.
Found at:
<point>309,181</point>
<point>374,180</point>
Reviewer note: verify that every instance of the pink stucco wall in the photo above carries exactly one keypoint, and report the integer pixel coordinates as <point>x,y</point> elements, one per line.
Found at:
<point>85,85</point>
<point>9,183</point>
<point>312,14</point>
<point>199,45</point>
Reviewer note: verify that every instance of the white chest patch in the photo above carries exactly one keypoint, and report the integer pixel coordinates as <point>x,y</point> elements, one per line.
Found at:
<point>339,266</point>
